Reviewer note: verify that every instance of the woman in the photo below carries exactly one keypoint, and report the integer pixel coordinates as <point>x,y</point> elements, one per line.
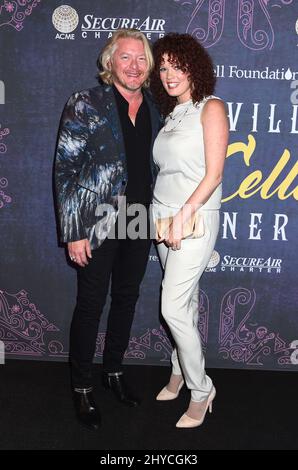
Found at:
<point>190,152</point>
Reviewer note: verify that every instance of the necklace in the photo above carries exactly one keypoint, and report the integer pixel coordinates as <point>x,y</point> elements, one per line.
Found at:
<point>174,119</point>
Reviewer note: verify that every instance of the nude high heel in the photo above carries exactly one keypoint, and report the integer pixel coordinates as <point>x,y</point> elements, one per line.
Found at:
<point>187,422</point>
<point>165,394</point>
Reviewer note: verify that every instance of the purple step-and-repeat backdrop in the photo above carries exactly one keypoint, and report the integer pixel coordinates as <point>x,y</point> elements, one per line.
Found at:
<point>249,296</point>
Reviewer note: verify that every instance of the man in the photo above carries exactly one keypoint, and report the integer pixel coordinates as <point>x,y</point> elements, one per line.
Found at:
<point>104,152</point>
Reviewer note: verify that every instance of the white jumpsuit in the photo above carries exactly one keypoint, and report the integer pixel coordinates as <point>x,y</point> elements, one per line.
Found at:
<point>179,153</point>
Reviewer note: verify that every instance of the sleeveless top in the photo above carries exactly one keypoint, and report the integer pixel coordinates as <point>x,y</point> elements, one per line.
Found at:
<point>179,154</point>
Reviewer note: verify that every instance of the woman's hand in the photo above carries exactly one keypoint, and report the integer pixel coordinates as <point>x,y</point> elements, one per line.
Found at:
<point>173,236</point>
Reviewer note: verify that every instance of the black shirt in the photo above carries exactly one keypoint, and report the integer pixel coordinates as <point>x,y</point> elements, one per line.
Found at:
<point>137,143</point>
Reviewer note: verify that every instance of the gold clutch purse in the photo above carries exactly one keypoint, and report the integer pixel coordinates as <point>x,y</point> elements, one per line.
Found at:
<point>193,228</point>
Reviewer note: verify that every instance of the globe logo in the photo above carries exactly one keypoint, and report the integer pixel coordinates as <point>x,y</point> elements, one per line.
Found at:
<point>65,19</point>
<point>214,260</point>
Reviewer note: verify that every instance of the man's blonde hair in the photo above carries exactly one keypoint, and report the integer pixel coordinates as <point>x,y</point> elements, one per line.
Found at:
<point>106,56</point>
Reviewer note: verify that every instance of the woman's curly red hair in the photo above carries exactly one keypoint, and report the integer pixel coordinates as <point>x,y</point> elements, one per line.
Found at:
<point>191,57</point>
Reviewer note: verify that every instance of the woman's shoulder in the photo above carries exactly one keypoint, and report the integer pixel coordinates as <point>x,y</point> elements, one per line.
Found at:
<point>209,98</point>
<point>213,107</point>
<point>211,102</point>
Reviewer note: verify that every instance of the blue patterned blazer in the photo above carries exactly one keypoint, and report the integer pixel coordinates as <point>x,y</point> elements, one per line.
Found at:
<point>90,164</point>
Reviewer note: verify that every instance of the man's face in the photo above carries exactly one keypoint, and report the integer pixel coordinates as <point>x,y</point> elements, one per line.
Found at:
<point>129,66</point>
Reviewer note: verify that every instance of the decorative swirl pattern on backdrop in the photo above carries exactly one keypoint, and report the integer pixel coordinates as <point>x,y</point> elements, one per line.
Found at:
<point>242,341</point>
<point>24,331</point>
<point>23,328</point>
<point>14,13</point>
<point>254,25</point>
<point>4,198</point>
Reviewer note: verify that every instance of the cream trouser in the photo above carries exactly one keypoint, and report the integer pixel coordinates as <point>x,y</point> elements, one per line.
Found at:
<point>180,295</point>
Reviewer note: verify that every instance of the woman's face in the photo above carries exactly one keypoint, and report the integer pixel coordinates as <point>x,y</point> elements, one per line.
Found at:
<point>175,81</point>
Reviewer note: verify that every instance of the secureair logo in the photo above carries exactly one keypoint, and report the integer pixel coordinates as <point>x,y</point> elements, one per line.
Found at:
<point>214,260</point>
<point>238,264</point>
<point>65,19</point>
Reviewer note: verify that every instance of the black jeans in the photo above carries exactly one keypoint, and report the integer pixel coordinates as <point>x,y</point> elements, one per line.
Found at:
<point>125,260</point>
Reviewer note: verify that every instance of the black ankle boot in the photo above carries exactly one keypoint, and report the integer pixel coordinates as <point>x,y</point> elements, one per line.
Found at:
<point>87,412</point>
<point>116,383</point>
